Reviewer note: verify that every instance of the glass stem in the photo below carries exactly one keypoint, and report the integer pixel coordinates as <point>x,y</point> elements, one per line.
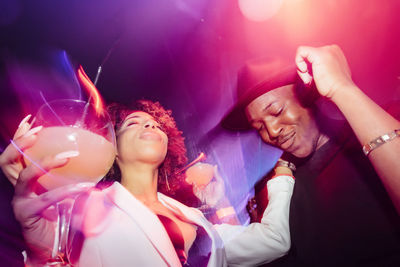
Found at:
<point>64,212</point>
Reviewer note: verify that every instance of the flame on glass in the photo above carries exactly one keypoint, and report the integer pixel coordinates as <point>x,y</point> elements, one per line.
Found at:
<point>92,90</point>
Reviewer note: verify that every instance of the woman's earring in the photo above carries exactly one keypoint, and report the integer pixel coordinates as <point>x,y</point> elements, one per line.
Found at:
<point>166,180</point>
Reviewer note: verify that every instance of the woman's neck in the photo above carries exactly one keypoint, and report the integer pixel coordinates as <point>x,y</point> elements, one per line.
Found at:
<point>141,180</point>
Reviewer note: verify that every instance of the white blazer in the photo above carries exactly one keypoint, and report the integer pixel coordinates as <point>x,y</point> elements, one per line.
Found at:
<point>121,231</point>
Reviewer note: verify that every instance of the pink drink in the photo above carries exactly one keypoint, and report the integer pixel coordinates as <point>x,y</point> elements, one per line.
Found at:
<point>200,174</point>
<point>96,155</point>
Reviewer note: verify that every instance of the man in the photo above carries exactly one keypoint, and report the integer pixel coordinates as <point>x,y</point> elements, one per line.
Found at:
<point>340,213</point>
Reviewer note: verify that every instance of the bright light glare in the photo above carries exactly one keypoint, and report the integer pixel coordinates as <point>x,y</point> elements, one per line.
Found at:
<point>72,137</point>
<point>259,10</point>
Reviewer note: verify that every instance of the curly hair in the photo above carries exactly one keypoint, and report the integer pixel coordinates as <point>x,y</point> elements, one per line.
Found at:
<point>169,179</point>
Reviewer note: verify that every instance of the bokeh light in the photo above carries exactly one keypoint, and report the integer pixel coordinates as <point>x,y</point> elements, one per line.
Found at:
<point>259,10</point>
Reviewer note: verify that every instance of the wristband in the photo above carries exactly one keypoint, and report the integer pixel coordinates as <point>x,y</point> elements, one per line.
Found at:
<point>287,164</point>
<point>377,142</point>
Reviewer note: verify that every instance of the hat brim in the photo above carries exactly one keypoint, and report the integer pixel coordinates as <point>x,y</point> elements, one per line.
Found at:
<point>236,118</point>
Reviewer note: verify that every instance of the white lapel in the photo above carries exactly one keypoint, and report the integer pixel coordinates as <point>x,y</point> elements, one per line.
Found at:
<point>146,220</point>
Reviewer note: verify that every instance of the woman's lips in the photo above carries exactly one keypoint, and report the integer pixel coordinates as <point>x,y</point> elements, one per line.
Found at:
<point>150,135</point>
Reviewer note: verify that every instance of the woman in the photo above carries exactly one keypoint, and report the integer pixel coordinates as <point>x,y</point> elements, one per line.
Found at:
<point>132,223</point>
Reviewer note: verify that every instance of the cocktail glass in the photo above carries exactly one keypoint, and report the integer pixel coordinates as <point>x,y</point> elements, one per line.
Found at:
<point>71,126</point>
<point>200,174</point>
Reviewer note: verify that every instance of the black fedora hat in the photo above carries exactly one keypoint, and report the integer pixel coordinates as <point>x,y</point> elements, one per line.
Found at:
<point>256,78</point>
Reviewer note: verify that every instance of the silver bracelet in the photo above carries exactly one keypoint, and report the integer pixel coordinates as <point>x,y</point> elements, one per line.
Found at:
<point>287,164</point>
<point>377,142</point>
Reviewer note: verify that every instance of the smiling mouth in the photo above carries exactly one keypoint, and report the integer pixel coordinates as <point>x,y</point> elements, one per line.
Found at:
<point>287,141</point>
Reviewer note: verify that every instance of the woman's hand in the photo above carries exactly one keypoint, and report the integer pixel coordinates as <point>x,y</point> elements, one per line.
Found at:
<point>280,170</point>
<point>328,67</point>
<point>35,212</point>
<point>284,167</point>
<point>11,160</point>
<point>27,205</point>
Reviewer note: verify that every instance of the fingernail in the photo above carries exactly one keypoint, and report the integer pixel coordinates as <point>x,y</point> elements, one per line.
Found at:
<point>24,120</point>
<point>309,79</point>
<point>33,131</point>
<point>33,121</point>
<point>303,67</point>
<point>305,77</point>
<point>67,154</point>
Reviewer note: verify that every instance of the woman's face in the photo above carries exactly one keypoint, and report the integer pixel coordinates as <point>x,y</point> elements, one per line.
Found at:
<point>140,138</point>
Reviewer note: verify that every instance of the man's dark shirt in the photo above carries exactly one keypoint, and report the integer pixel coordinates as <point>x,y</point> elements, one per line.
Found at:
<point>340,213</point>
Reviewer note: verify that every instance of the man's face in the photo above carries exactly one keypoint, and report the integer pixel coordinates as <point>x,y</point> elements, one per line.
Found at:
<point>281,121</point>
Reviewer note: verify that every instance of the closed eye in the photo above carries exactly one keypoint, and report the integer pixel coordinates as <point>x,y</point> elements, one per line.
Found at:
<point>279,112</point>
<point>276,111</point>
<point>131,123</point>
